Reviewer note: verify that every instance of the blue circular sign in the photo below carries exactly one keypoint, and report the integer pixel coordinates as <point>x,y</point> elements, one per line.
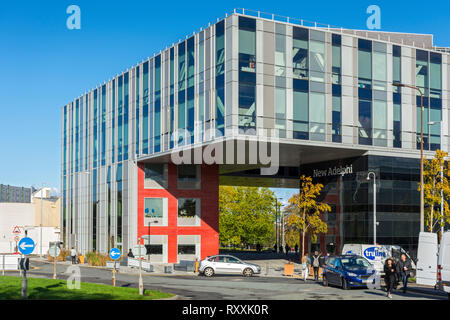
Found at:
<point>26,246</point>
<point>114,253</point>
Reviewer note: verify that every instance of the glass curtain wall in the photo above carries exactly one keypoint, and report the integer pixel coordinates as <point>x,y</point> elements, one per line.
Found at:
<point>190,91</point>
<point>220,77</point>
<point>397,97</point>
<point>201,89</point>
<point>113,131</point>
<point>280,79</point>
<point>171,98</point>
<point>137,83</point>
<point>103,126</point>
<point>336,73</point>
<point>181,91</point>
<point>145,101</point>
<point>300,83</point>
<point>317,64</point>
<point>120,120</point>
<point>157,125</point>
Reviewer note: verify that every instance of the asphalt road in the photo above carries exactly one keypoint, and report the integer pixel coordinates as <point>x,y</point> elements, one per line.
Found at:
<point>227,287</point>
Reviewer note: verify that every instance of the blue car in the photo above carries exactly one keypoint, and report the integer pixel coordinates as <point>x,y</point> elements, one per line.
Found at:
<point>348,271</point>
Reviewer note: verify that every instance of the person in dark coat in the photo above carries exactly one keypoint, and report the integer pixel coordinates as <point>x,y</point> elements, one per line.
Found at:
<point>389,276</point>
<point>404,270</point>
<point>130,254</point>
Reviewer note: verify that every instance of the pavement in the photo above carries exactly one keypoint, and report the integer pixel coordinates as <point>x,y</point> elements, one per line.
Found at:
<point>188,285</point>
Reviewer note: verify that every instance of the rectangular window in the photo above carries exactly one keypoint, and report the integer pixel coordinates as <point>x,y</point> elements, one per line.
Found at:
<point>317,61</point>
<point>300,53</point>
<point>300,114</point>
<point>247,74</point>
<point>380,123</point>
<point>397,97</point>
<point>155,211</point>
<point>153,249</point>
<point>189,212</point>
<point>145,101</point>
<point>186,249</point>
<point>220,77</point>
<point>317,116</point>
<point>336,59</point>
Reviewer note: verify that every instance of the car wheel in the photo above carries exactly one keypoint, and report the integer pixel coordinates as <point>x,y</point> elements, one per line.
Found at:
<point>248,272</point>
<point>344,284</point>
<point>325,281</point>
<point>412,274</point>
<point>209,272</point>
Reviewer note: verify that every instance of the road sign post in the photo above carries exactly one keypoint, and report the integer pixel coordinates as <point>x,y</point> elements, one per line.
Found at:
<point>26,247</point>
<point>141,284</point>
<point>114,254</point>
<point>54,251</point>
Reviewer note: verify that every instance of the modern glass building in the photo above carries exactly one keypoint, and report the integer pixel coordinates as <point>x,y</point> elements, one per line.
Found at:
<point>324,95</point>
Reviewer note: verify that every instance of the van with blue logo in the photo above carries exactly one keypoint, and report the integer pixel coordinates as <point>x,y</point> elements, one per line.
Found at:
<point>377,254</point>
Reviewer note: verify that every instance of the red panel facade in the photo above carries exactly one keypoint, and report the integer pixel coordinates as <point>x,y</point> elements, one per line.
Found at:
<point>209,195</point>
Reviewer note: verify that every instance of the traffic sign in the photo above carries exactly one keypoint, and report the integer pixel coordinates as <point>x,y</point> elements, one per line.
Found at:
<point>26,245</point>
<point>16,229</point>
<point>114,253</point>
<point>135,250</point>
<point>54,251</point>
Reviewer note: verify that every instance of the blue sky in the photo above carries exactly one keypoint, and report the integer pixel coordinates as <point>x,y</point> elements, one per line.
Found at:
<point>45,65</point>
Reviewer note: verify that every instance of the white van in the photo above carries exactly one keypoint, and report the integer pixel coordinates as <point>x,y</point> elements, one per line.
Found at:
<point>443,274</point>
<point>378,254</point>
<point>433,261</point>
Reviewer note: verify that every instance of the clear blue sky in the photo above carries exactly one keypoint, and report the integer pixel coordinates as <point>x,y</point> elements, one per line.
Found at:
<point>44,65</point>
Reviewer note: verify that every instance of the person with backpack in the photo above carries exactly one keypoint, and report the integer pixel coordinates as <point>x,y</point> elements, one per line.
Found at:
<point>73,255</point>
<point>316,265</point>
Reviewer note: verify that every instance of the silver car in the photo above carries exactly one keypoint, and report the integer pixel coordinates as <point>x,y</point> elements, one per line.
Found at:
<point>226,264</point>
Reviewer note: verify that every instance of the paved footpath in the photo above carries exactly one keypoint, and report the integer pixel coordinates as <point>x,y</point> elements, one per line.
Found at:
<point>192,286</point>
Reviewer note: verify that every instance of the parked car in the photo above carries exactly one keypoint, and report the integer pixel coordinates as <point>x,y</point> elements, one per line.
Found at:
<point>226,264</point>
<point>348,271</point>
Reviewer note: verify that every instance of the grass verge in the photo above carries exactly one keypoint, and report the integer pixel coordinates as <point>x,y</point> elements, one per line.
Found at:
<point>49,289</point>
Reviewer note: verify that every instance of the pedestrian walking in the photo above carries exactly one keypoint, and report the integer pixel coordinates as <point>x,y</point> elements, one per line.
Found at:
<point>287,248</point>
<point>389,276</point>
<point>305,266</point>
<point>73,255</point>
<point>316,265</point>
<point>404,270</point>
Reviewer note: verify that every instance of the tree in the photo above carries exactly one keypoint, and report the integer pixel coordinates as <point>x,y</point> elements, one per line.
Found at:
<point>433,185</point>
<point>305,213</point>
<point>246,215</point>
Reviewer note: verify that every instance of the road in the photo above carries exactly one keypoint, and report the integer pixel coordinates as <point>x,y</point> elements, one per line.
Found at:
<point>227,287</point>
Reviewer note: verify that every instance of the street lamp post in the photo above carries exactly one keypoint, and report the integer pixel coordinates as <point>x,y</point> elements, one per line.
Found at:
<point>442,175</point>
<point>374,206</point>
<point>402,85</point>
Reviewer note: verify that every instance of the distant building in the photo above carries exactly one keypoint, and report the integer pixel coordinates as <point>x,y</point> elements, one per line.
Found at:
<point>21,207</point>
<point>15,194</point>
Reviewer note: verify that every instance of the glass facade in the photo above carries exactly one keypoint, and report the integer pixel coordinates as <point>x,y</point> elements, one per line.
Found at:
<point>303,79</point>
<point>351,199</point>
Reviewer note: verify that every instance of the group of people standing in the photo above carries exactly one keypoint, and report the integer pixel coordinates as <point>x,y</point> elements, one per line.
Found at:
<point>316,260</point>
<point>394,271</point>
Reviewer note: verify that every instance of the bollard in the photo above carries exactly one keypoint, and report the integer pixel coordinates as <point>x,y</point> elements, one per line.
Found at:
<point>196,265</point>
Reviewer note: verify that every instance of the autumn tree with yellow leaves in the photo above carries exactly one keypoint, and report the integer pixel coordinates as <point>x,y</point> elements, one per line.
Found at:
<point>305,213</point>
<point>433,185</point>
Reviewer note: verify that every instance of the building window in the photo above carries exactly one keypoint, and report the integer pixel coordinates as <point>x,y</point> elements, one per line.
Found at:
<point>189,212</point>
<point>154,249</point>
<point>189,177</point>
<point>155,211</point>
<point>247,74</point>
<point>397,97</point>
<point>300,53</point>
<point>186,249</point>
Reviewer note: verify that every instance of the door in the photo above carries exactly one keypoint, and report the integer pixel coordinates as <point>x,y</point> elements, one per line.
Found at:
<point>427,259</point>
<point>221,265</point>
<point>331,272</point>
<point>234,265</point>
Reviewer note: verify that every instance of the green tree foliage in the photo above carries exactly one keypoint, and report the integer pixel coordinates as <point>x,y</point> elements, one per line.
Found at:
<point>246,215</point>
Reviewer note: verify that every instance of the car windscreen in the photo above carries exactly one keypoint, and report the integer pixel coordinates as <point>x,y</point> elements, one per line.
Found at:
<point>355,263</point>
